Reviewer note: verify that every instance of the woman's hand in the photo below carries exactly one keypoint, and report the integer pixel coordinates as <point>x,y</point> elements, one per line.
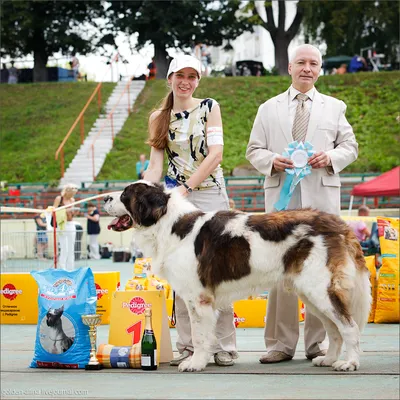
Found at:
<point>182,190</point>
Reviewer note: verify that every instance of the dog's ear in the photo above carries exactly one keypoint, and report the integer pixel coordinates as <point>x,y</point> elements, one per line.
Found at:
<point>61,310</point>
<point>149,205</point>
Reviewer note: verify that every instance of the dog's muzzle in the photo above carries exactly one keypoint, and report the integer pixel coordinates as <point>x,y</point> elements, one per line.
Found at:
<point>121,224</point>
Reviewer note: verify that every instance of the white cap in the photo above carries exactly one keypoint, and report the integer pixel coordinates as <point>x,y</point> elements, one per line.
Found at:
<point>185,61</point>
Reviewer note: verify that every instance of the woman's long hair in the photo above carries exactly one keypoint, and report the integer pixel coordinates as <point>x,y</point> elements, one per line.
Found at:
<point>160,124</point>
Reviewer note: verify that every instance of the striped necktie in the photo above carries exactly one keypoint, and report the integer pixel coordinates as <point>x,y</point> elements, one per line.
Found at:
<point>301,118</point>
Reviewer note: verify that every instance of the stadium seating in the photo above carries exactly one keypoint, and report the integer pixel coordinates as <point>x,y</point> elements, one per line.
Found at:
<point>247,193</point>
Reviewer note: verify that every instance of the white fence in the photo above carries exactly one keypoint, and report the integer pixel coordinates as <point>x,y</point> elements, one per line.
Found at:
<point>34,250</point>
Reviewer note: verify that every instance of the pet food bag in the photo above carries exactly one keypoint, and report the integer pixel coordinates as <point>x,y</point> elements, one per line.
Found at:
<point>387,302</point>
<point>62,340</point>
<point>370,262</point>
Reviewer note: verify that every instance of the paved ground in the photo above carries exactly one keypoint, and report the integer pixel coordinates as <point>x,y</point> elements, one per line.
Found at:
<point>378,377</point>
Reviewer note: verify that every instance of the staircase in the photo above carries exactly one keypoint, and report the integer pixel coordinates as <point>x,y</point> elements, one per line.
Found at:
<point>81,167</point>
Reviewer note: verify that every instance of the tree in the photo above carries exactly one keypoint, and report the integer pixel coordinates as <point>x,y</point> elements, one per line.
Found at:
<point>349,26</point>
<point>281,38</point>
<point>44,27</point>
<point>176,24</point>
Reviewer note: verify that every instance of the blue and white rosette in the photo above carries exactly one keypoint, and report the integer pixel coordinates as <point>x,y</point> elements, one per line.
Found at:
<point>299,154</point>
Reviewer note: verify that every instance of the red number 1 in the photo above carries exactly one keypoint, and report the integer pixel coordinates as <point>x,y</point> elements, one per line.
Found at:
<point>135,330</point>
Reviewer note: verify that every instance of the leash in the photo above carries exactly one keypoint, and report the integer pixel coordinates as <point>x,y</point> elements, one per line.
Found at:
<point>173,315</point>
<point>4,209</point>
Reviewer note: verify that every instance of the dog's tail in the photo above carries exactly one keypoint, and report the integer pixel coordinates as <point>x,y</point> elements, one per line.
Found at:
<point>362,298</point>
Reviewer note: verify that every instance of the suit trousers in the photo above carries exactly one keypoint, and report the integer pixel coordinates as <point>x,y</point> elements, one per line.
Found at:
<point>282,323</point>
<point>212,199</point>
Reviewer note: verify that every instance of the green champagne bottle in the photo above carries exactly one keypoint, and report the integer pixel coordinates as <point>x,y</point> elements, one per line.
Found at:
<point>149,344</point>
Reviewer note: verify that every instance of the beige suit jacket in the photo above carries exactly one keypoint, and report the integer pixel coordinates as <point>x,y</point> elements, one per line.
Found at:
<point>328,130</point>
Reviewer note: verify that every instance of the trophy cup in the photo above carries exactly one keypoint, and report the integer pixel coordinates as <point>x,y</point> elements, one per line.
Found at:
<point>92,321</point>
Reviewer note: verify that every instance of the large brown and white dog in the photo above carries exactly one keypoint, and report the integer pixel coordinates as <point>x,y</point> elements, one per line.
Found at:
<point>213,258</point>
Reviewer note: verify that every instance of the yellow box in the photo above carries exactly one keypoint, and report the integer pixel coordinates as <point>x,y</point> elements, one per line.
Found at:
<point>168,303</point>
<point>19,293</point>
<point>142,265</point>
<point>250,313</point>
<point>253,313</point>
<point>106,284</point>
<point>127,320</point>
<point>247,313</point>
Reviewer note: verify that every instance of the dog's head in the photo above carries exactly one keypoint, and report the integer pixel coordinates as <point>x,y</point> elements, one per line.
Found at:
<point>140,204</point>
<point>54,315</point>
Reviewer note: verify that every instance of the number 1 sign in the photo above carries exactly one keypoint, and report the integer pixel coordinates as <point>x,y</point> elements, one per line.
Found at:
<point>127,320</point>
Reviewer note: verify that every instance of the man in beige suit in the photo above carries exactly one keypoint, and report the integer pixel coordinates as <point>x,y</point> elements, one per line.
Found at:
<point>303,114</point>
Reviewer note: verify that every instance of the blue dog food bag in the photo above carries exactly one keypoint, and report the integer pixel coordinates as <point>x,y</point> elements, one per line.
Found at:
<point>62,339</point>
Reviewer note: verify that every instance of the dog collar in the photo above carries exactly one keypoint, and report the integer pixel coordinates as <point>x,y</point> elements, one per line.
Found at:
<point>188,188</point>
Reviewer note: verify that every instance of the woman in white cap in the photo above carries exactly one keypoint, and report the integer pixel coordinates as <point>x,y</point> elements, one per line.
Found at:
<point>189,131</point>
<point>66,236</point>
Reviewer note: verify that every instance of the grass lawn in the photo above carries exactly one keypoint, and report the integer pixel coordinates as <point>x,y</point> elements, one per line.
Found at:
<point>372,109</point>
<point>34,119</point>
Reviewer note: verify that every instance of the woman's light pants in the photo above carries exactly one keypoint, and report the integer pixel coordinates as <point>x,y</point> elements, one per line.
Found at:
<point>66,238</point>
<point>94,253</point>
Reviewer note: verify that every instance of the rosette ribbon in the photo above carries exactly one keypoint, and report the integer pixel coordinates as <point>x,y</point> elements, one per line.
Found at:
<point>299,153</point>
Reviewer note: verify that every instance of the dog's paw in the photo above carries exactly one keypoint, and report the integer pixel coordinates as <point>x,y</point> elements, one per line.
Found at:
<point>351,365</point>
<point>191,366</point>
<point>323,361</point>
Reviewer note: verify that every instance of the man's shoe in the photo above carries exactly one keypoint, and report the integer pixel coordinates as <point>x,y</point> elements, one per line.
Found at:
<point>223,359</point>
<point>183,356</point>
<point>274,357</point>
<point>317,354</point>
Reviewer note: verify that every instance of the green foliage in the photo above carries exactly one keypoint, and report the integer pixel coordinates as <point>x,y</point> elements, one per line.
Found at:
<point>44,27</point>
<point>34,118</point>
<point>372,108</point>
<point>349,25</point>
<point>281,34</point>
<point>25,21</point>
<point>177,23</point>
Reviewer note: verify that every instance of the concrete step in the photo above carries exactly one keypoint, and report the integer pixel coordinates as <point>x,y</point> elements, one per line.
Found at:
<point>80,168</point>
<point>95,135</point>
<point>101,125</point>
<point>85,164</point>
<point>103,150</point>
<point>82,159</point>
<point>118,118</point>
<point>100,144</point>
<point>80,178</point>
<point>100,141</point>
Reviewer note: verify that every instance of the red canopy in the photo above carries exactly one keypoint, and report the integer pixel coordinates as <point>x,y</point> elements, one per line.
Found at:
<point>387,184</point>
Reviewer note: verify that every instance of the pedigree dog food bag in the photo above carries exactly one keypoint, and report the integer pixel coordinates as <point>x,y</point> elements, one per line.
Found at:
<point>387,302</point>
<point>62,339</point>
<point>370,261</point>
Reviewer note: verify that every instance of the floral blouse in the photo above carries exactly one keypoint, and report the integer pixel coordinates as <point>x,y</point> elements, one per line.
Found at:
<point>187,145</point>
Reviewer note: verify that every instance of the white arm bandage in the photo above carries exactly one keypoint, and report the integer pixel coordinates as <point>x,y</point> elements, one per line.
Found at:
<point>215,135</point>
